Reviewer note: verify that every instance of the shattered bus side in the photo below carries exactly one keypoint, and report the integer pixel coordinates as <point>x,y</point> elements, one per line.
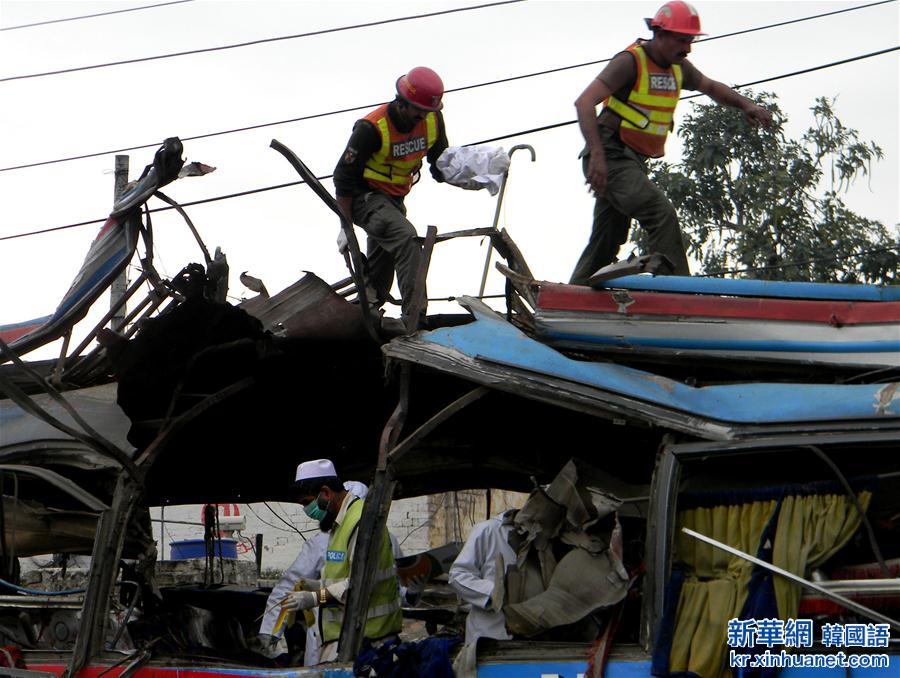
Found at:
<point>708,492</point>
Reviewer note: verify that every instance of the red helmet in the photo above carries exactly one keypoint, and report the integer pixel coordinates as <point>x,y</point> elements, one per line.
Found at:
<point>421,87</point>
<point>676,16</point>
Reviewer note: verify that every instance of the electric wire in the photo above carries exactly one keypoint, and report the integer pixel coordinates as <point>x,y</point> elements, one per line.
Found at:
<point>700,94</point>
<point>277,515</point>
<point>178,2</point>
<point>811,69</point>
<point>261,41</point>
<point>207,135</point>
<point>448,91</point>
<point>36,592</point>
<point>91,16</point>
<point>794,21</point>
<point>272,525</point>
<point>484,141</point>
<point>426,522</point>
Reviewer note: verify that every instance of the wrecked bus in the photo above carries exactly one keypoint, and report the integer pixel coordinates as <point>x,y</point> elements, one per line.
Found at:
<point>747,494</point>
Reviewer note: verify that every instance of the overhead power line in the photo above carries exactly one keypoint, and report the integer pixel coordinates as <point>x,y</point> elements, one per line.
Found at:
<point>488,83</point>
<point>694,96</point>
<point>794,21</point>
<point>91,16</point>
<point>261,41</point>
<point>473,143</point>
<point>810,70</point>
<point>163,209</point>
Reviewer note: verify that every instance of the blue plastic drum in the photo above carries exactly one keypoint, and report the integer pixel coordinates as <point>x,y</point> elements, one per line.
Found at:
<point>196,548</point>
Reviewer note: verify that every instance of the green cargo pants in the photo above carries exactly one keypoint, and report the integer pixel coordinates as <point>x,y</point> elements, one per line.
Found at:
<point>391,244</point>
<point>629,195</point>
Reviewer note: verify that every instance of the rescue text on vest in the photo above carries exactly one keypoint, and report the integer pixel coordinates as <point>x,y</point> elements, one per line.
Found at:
<point>404,148</point>
<point>663,81</point>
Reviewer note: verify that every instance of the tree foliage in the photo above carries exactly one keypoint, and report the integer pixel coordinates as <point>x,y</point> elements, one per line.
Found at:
<point>754,201</point>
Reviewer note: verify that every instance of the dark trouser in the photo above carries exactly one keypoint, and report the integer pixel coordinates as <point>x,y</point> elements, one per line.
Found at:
<point>629,195</point>
<point>391,244</point>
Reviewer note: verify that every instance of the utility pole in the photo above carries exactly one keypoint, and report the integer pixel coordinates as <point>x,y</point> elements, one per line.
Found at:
<point>120,284</point>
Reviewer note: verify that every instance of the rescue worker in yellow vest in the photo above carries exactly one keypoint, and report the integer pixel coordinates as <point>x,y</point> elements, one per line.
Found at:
<point>640,88</point>
<point>324,499</point>
<point>377,170</point>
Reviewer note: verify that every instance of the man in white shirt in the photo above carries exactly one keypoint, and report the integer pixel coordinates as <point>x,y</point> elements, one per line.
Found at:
<point>474,573</point>
<point>338,511</point>
<point>303,574</point>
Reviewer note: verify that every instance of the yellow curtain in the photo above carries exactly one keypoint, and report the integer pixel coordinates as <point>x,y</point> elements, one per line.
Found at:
<point>715,586</point>
<point>810,529</point>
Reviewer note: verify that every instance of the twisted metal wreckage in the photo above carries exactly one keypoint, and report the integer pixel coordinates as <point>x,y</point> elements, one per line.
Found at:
<point>657,441</point>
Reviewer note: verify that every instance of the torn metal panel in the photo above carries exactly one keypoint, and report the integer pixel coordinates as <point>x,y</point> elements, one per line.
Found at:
<point>39,529</point>
<point>493,352</point>
<point>309,308</point>
<point>108,255</point>
<point>353,257</point>
<point>563,521</point>
<point>60,482</point>
<point>549,390</point>
<point>96,405</point>
<point>848,336</point>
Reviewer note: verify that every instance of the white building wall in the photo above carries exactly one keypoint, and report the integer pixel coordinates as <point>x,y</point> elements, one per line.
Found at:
<point>407,520</point>
<point>418,523</point>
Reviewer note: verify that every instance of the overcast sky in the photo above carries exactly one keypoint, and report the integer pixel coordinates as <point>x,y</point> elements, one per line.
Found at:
<point>278,234</point>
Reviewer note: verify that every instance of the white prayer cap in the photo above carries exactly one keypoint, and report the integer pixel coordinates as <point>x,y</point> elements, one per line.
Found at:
<point>317,468</point>
<point>357,488</point>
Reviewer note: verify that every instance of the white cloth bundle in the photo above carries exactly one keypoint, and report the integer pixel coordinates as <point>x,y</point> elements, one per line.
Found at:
<point>474,167</point>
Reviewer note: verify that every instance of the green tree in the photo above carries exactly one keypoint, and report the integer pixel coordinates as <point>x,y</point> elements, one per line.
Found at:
<point>755,201</point>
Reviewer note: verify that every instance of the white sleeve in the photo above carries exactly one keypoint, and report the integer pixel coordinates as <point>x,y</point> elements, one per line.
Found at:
<point>467,574</point>
<point>395,546</point>
<point>307,565</point>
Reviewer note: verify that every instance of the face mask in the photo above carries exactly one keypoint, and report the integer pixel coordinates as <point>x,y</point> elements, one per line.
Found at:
<point>314,511</point>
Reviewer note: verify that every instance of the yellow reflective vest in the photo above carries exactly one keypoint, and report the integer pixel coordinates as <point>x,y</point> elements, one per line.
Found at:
<point>392,167</point>
<point>383,616</point>
<point>647,115</point>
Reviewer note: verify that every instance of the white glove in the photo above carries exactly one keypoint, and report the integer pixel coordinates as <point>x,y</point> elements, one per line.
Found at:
<point>342,242</point>
<point>300,600</point>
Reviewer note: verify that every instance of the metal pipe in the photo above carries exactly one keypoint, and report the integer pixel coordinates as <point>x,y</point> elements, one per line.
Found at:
<point>117,288</point>
<point>863,586</point>
<point>121,301</point>
<point>490,249</point>
<point>258,553</point>
<point>65,602</point>
<point>57,371</point>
